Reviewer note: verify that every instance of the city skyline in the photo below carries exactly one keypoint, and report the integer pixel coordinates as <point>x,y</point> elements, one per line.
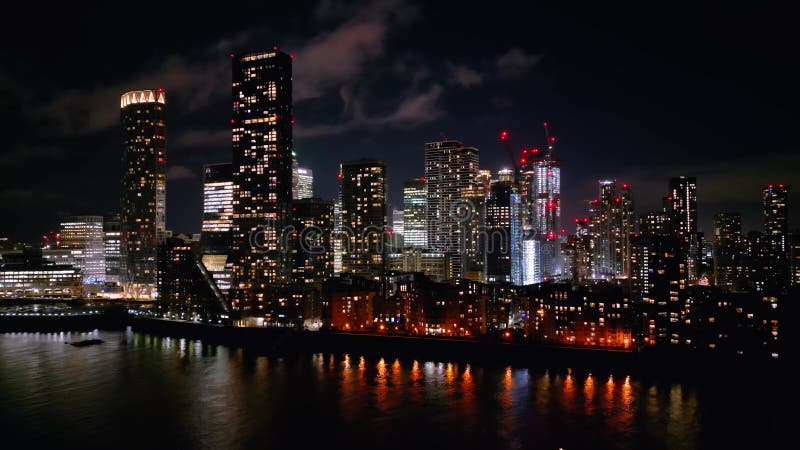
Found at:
<point>645,132</point>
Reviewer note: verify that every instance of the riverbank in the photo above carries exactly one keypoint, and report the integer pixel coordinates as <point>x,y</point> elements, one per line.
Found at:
<point>486,352</point>
<point>674,364</point>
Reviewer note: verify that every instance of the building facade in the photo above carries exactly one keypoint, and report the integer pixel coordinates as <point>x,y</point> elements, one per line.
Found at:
<point>143,190</point>
<point>450,168</point>
<point>363,217</point>
<point>415,200</point>
<point>261,125</point>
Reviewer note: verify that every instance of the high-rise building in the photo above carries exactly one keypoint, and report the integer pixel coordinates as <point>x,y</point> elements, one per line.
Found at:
<point>143,193</point>
<point>261,125</point>
<point>83,237</point>
<point>610,225</point>
<point>112,248</point>
<point>503,227</point>
<point>415,200</point>
<point>450,167</point>
<point>217,230</point>
<point>658,284</point>
<point>311,254</point>
<point>541,194</point>
<point>655,223</point>
<point>794,257</point>
<point>302,181</point>
<point>397,221</point>
<point>727,248</point>
<point>363,197</point>
<point>216,237</point>
<point>775,199</point>
<point>775,209</point>
<point>474,236</point>
<point>683,196</point>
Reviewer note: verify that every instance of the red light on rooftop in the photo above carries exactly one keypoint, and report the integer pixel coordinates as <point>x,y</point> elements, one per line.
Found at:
<point>585,219</point>
<point>291,56</point>
<point>577,220</point>
<point>780,186</point>
<point>292,121</point>
<point>233,120</point>
<point>233,55</point>
<point>545,124</point>
<point>535,150</point>
<point>340,176</point>
<point>552,139</point>
<point>275,48</point>
<point>616,199</point>
<point>276,117</point>
<point>669,199</point>
<point>503,135</point>
<point>624,185</point>
<point>563,231</point>
<point>424,179</point>
<point>524,151</point>
<point>523,161</point>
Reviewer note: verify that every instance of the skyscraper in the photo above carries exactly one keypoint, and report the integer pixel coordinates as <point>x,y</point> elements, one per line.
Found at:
<point>683,196</point>
<point>83,236</point>
<point>727,246</point>
<point>397,221</point>
<point>261,126</point>
<point>450,167</point>
<point>610,224</point>
<point>143,193</point>
<point>302,180</point>
<point>776,214</point>
<point>775,199</point>
<point>415,200</point>
<point>362,195</point>
<point>216,238</point>
<point>503,226</point>
<point>541,193</point>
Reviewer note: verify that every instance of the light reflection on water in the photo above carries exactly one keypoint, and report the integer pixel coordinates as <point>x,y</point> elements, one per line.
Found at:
<point>138,389</point>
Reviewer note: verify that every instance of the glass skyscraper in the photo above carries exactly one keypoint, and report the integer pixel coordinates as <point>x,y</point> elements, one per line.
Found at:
<point>415,200</point>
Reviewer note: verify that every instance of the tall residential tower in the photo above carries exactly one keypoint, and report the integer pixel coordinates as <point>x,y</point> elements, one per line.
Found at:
<point>143,193</point>
<point>261,125</point>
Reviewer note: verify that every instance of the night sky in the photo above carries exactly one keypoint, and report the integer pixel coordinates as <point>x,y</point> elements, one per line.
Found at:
<point>639,92</point>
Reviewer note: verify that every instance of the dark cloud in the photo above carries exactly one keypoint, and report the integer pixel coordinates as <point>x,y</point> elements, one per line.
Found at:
<point>414,109</point>
<point>515,63</point>
<point>464,76</point>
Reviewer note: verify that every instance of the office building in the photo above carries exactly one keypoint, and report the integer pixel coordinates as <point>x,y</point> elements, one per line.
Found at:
<point>415,200</point>
<point>216,237</point>
<point>83,237</point>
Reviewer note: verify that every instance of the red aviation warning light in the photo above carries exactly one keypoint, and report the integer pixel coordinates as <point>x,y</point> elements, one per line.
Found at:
<point>624,185</point>
<point>523,160</point>
<point>535,150</point>
<point>552,139</point>
<point>503,135</point>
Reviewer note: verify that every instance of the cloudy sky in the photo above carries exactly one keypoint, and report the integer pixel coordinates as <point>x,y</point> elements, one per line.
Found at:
<point>638,92</point>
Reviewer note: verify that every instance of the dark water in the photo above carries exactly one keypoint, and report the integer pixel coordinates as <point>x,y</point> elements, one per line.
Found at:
<point>141,391</point>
